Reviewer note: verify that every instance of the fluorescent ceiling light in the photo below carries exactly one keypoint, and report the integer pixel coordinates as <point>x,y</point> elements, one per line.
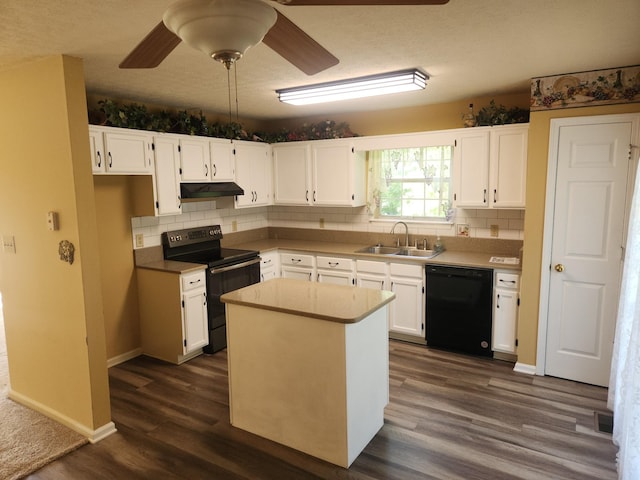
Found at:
<point>394,82</point>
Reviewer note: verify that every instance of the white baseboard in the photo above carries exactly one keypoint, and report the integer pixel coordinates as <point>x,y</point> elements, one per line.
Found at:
<point>93,436</point>
<point>118,359</point>
<point>524,368</point>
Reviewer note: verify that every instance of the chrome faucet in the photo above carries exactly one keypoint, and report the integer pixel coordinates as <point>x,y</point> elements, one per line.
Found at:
<point>406,232</point>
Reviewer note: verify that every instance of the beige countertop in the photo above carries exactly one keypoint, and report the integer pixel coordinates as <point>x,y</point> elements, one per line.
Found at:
<point>336,303</point>
<point>454,258</point>
<point>172,266</point>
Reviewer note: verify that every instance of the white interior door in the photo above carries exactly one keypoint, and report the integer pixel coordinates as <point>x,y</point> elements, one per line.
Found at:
<point>587,247</point>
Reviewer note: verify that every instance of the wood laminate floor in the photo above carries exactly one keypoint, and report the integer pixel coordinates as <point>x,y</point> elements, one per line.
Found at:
<point>450,417</point>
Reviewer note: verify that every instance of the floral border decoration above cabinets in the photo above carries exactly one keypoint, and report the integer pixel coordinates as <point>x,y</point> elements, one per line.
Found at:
<point>582,89</point>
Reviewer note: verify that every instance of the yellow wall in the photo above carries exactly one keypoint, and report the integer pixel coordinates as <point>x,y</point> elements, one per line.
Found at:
<point>52,310</point>
<point>534,219</point>
<point>405,120</point>
<point>114,210</point>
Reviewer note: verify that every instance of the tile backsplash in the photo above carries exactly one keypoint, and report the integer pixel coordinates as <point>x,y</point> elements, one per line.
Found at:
<point>504,224</point>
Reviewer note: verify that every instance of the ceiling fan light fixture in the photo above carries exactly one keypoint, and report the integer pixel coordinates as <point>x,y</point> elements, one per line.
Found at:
<point>372,85</point>
<point>223,29</point>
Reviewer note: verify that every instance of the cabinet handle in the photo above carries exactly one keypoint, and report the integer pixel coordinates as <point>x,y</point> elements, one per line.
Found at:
<point>334,264</point>
<point>215,170</point>
<point>110,160</point>
<point>204,295</point>
<point>193,283</point>
<point>485,196</point>
<point>498,301</point>
<point>314,196</point>
<point>306,195</point>
<point>296,260</point>
<point>495,191</point>
<point>99,157</point>
<point>513,282</point>
<point>264,262</point>
<point>206,170</point>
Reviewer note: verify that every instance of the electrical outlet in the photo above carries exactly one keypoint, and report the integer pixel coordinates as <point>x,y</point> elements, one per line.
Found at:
<point>139,240</point>
<point>495,230</point>
<point>234,226</point>
<point>322,223</point>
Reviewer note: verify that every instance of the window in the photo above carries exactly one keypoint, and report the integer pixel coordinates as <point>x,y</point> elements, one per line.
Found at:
<point>411,182</point>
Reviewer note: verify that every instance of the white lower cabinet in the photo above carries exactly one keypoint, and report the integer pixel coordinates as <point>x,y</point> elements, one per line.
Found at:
<point>406,315</point>
<point>335,270</point>
<point>506,301</point>
<point>298,266</point>
<point>269,265</point>
<point>370,274</point>
<point>194,311</point>
<point>173,314</point>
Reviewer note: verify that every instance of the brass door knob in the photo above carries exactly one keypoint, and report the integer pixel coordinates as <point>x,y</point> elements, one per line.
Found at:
<point>559,267</point>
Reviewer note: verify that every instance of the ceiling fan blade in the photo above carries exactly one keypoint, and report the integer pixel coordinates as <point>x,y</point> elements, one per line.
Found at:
<point>153,49</point>
<point>298,48</point>
<point>362,2</point>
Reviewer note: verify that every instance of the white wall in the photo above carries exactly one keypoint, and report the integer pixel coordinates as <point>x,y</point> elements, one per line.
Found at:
<point>510,222</point>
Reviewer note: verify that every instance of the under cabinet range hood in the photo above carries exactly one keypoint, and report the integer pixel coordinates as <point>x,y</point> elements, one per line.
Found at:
<point>207,191</point>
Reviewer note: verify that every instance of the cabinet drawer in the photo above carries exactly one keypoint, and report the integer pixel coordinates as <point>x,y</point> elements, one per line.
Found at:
<point>507,280</point>
<point>193,280</point>
<point>406,270</point>
<point>296,259</point>
<point>367,266</point>
<point>335,263</point>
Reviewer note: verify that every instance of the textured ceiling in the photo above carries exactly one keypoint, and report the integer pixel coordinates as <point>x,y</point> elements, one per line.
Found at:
<point>470,48</point>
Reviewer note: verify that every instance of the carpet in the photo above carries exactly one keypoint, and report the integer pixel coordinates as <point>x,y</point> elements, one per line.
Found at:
<point>28,439</point>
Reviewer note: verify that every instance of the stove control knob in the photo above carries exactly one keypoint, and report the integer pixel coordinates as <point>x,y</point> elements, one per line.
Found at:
<point>178,237</point>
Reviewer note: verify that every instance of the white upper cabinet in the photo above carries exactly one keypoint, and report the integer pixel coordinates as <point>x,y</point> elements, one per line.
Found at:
<point>292,173</point>
<point>471,169</point>
<point>121,151</point>
<point>167,176</point>
<point>195,159</point>
<point>338,174</point>
<point>319,172</point>
<point>508,167</point>
<point>490,165</point>
<point>222,160</point>
<point>253,173</point>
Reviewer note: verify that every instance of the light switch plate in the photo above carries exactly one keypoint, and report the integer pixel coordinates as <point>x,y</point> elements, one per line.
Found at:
<point>8,244</point>
<point>495,230</point>
<point>139,240</point>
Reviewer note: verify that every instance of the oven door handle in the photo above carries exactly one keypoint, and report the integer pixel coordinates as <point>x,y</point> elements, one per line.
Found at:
<point>215,270</point>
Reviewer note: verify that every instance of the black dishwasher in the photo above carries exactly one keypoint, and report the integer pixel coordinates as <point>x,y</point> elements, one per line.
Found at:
<point>458,309</point>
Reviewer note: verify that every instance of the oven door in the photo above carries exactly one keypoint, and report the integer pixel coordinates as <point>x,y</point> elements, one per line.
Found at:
<point>220,281</point>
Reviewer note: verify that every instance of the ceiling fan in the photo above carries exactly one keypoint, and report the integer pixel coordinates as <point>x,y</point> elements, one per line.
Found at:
<point>225,29</point>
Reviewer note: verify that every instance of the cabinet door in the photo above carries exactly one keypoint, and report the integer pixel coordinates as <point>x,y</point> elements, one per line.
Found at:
<point>195,158</point>
<point>97,150</point>
<point>407,311</point>
<point>222,161</point>
<point>508,166</point>
<point>297,273</point>
<point>253,174</point>
<point>333,165</point>
<point>167,176</point>
<point>292,174</point>
<point>195,330</point>
<point>505,315</point>
<point>471,170</point>
<point>336,277</point>
<point>128,152</point>
<point>372,280</point>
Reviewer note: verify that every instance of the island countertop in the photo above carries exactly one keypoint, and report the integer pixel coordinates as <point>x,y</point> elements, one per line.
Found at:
<point>336,303</point>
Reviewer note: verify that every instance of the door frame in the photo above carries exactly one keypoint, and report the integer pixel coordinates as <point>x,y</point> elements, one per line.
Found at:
<point>549,212</point>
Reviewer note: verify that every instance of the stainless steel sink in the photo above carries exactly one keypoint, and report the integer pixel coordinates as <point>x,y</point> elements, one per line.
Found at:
<point>380,250</point>
<point>404,251</point>
<point>414,252</point>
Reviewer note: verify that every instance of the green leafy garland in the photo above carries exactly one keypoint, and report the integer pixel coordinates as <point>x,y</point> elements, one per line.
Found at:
<point>136,116</point>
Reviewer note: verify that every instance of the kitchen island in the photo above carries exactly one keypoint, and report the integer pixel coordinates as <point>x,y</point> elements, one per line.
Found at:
<point>309,365</point>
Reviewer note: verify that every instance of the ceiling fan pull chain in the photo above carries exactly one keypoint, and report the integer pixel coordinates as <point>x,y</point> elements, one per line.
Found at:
<point>229,91</point>
<point>235,81</point>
